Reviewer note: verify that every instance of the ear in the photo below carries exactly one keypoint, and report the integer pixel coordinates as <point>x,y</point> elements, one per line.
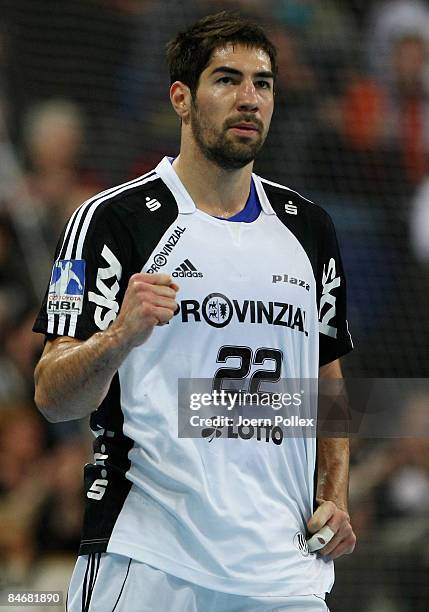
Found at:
<point>180,96</point>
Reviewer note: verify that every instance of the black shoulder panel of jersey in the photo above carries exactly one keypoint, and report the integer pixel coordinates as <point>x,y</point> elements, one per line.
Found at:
<point>313,228</point>
<point>115,230</point>
<point>307,221</point>
<point>146,212</point>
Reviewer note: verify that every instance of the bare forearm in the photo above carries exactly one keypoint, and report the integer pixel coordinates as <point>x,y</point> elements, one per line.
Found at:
<point>333,471</point>
<point>73,377</point>
<point>333,454</point>
<point>72,381</point>
<point>332,490</point>
<point>332,497</point>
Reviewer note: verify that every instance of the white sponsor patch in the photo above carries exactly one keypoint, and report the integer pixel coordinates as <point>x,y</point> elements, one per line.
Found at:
<point>67,287</point>
<point>107,306</point>
<point>328,308</point>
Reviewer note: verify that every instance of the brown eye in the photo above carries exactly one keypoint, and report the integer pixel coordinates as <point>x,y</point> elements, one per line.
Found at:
<point>226,80</point>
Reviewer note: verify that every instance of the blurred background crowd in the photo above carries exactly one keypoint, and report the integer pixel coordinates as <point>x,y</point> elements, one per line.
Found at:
<point>84,105</point>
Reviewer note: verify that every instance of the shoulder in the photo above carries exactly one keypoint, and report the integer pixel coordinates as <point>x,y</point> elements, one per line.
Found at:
<point>135,209</point>
<point>145,202</point>
<point>142,196</point>
<point>288,203</point>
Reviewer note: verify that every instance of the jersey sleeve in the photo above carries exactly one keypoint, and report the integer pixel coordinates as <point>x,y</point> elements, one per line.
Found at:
<point>89,276</point>
<point>334,336</point>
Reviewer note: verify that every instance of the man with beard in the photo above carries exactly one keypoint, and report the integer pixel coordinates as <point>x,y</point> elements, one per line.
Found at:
<point>215,520</point>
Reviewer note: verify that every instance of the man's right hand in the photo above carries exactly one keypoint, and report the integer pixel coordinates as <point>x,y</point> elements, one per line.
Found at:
<point>69,364</point>
<point>150,299</point>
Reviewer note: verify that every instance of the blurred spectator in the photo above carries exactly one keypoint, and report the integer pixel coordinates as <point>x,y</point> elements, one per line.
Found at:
<point>22,350</point>
<point>40,492</point>
<point>375,137</point>
<point>54,135</point>
<point>391,480</point>
<point>59,521</point>
<point>85,44</point>
<point>22,443</point>
<point>420,223</point>
<point>24,479</point>
<point>388,21</point>
<point>34,210</point>
<point>15,300</point>
<point>404,491</point>
<point>331,24</point>
<point>349,154</point>
<point>396,471</point>
<point>368,152</point>
<point>327,31</point>
<point>14,295</point>
<point>409,100</point>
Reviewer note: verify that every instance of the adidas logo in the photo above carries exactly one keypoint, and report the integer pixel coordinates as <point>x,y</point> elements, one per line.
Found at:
<point>186,270</point>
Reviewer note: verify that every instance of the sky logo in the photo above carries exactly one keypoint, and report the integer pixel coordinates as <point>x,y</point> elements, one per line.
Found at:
<point>67,286</point>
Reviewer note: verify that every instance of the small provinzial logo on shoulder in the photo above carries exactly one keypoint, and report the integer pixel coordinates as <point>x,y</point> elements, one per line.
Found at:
<point>66,287</point>
<point>152,203</point>
<point>186,270</point>
<point>290,208</point>
<point>300,543</point>
<point>161,258</point>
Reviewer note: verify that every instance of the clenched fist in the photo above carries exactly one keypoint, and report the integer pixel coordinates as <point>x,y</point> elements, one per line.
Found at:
<point>150,299</point>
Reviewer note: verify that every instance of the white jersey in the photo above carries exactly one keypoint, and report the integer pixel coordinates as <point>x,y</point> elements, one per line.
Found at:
<point>258,301</point>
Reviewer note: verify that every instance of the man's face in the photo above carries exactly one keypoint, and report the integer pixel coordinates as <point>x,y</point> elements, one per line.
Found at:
<point>233,105</point>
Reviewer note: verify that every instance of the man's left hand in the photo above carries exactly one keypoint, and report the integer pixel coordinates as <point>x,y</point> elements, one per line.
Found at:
<point>344,540</point>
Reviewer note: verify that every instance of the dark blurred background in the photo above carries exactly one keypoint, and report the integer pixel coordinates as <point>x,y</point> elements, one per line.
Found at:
<point>84,105</point>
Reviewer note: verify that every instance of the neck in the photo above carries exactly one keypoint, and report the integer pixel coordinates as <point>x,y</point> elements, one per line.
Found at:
<point>216,191</point>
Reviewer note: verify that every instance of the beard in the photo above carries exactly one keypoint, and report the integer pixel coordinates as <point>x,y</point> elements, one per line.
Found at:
<point>227,151</point>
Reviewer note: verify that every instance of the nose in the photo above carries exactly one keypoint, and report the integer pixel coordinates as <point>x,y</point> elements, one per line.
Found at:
<point>247,98</point>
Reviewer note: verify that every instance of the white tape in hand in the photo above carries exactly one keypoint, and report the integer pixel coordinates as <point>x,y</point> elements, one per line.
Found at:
<point>320,539</point>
